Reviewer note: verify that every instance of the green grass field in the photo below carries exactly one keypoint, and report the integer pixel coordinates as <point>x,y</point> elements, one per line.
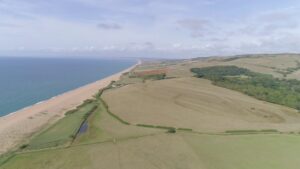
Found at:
<point>63,131</point>
<point>103,127</point>
<point>247,152</point>
<point>181,150</point>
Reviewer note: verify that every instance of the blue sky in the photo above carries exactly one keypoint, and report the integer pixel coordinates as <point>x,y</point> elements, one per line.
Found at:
<point>148,28</point>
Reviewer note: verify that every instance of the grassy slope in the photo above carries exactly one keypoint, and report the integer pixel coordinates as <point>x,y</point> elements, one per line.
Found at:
<point>61,132</point>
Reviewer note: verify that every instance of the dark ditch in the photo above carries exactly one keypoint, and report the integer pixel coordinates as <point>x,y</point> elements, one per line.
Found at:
<point>83,128</point>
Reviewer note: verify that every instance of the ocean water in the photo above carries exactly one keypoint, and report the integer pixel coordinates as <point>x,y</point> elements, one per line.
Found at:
<point>26,81</point>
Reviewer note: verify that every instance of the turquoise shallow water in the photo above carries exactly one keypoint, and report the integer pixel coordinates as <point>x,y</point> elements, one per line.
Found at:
<point>26,81</point>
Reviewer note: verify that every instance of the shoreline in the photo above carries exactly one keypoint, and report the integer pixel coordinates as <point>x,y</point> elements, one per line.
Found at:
<point>53,97</point>
<point>17,126</point>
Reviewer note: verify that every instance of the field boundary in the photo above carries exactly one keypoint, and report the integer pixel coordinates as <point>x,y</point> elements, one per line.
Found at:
<point>85,118</point>
<point>112,114</point>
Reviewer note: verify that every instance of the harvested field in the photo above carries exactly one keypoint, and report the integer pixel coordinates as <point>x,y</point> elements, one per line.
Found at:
<point>199,105</point>
<point>276,65</point>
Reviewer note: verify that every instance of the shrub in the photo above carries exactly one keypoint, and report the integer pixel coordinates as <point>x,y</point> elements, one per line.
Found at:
<point>73,136</point>
<point>172,130</point>
<point>241,131</point>
<point>70,112</point>
<point>88,101</point>
<point>164,127</point>
<point>269,130</point>
<point>23,146</point>
<point>146,125</point>
<point>185,129</point>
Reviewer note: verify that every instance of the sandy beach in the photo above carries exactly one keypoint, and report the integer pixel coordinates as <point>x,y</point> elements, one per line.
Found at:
<point>18,126</point>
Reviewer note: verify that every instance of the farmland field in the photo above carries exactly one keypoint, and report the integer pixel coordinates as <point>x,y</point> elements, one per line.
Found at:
<point>61,132</point>
<point>181,150</point>
<point>199,105</point>
<point>160,116</point>
<point>276,65</point>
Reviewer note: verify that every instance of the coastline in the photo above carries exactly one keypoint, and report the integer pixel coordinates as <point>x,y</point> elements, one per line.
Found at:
<point>15,127</point>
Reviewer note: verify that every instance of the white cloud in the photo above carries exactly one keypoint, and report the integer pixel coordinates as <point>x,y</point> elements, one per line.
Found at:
<point>109,26</point>
<point>197,27</point>
<point>193,28</point>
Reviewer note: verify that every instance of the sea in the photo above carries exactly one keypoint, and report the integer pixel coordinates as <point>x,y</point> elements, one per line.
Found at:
<point>27,81</point>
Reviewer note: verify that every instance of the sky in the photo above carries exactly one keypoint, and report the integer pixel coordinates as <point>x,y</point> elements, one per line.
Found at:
<point>148,28</point>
